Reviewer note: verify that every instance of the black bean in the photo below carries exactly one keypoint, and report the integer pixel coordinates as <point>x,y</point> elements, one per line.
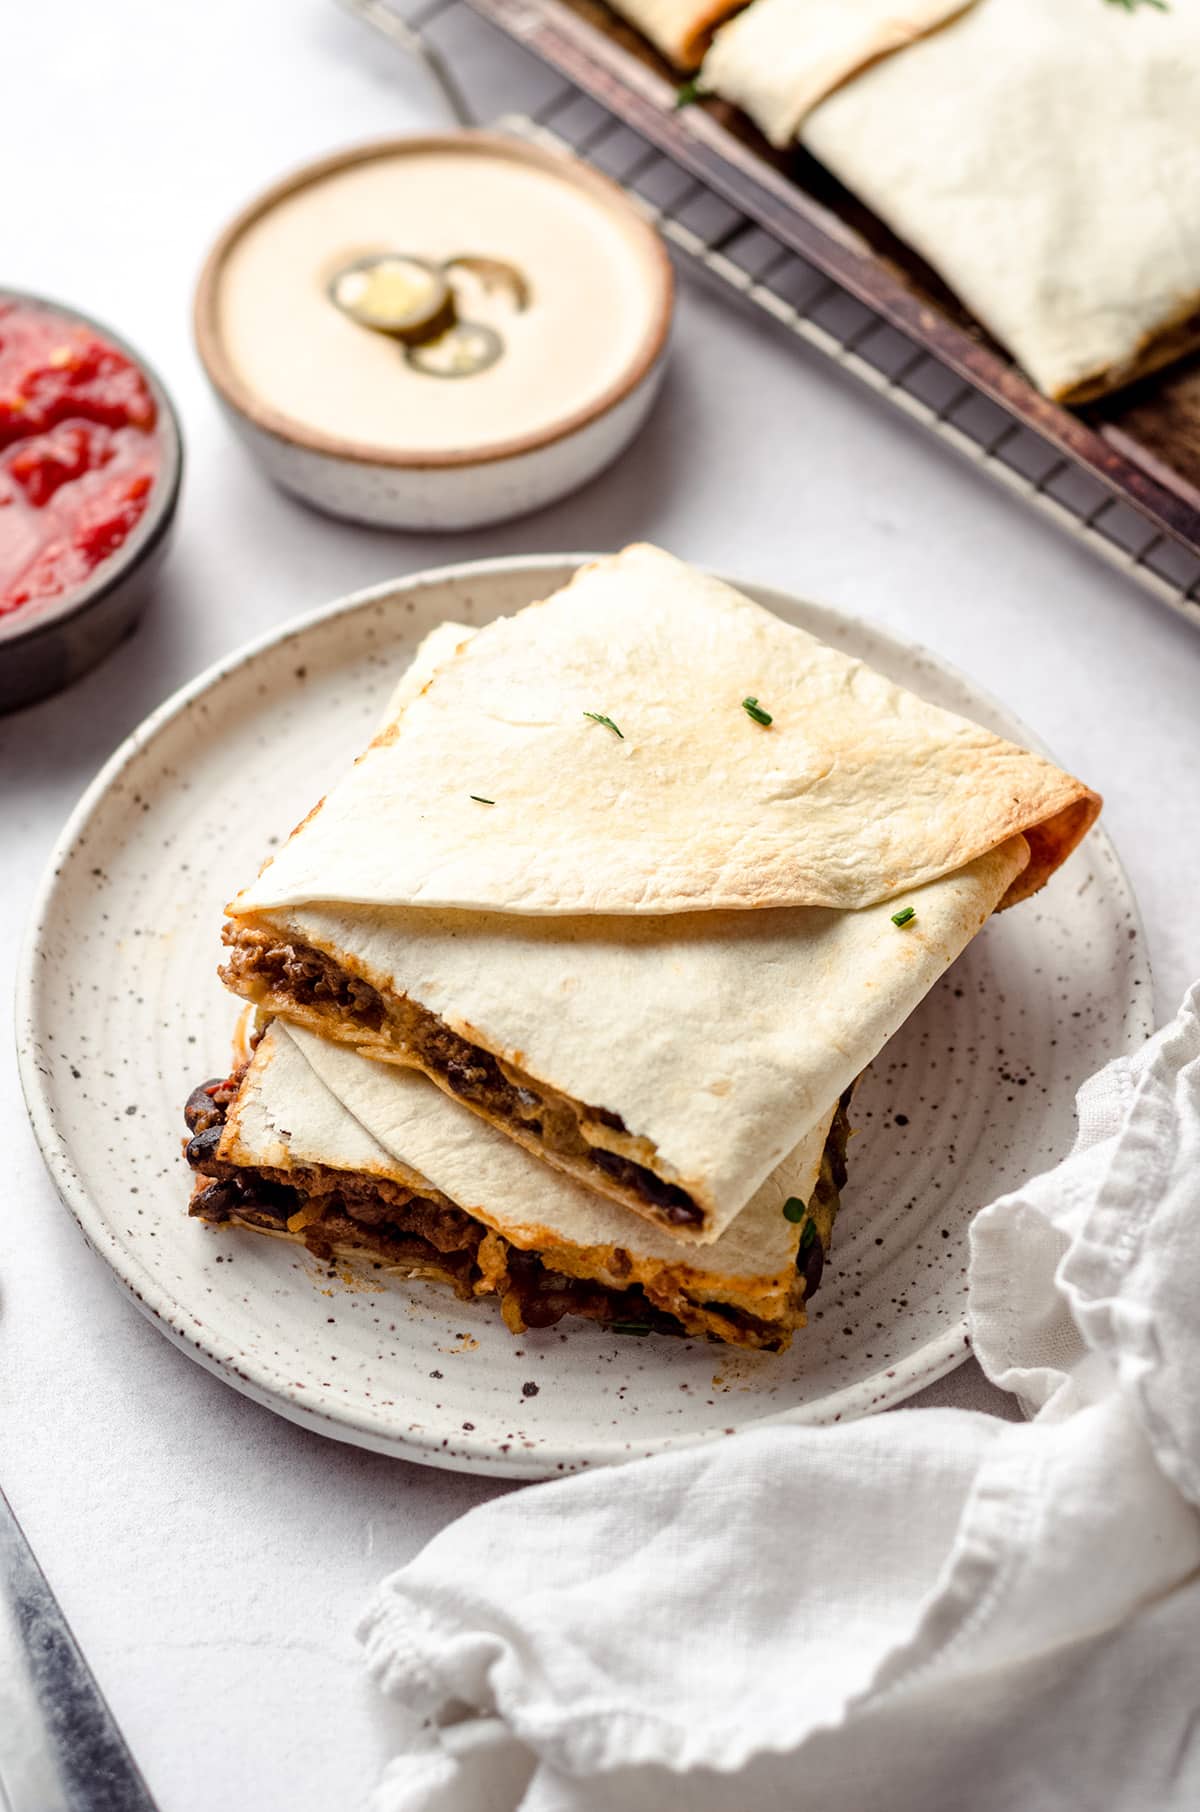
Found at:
<point>202,1146</point>
<point>814,1268</point>
<point>604,1116</point>
<point>676,1204</point>
<point>683,1214</point>
<point>217,1202</point>
<point>201,1111</point>
<point>543,1311</point>
<point>258,1213</point>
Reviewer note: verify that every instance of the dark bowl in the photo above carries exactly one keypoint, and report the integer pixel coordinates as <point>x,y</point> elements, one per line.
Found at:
<point>56,642</point>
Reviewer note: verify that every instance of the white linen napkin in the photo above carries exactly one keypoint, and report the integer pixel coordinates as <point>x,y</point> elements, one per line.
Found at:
<point>929,1609</point>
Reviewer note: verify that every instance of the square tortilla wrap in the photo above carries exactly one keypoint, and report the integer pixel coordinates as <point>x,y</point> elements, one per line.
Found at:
<point>779,58</point>
<point>671,940</point>
<point>317,1145</point>
<point>1042,155</point>
<point>834,40</point>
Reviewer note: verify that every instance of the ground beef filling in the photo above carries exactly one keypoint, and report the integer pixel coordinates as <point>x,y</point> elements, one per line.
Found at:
<point>258,966</point>
<point>383,1219</point>
<point>396,1226</point>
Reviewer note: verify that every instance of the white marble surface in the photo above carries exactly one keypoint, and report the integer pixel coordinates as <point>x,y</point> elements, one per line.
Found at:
<point>213,1558</point>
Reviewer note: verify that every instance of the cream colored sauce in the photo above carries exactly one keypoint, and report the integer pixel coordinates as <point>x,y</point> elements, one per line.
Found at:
<point>594,294</point>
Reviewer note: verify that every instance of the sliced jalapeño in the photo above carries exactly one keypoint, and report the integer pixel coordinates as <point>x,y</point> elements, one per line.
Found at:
<point>395,294</point>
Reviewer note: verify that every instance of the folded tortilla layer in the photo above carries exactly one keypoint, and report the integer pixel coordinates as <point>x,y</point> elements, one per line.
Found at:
<point>669,1063</point>
<point>1044,159</point>
<point>779,58</point>
<point>317,1145</point>
<point>595,753</point>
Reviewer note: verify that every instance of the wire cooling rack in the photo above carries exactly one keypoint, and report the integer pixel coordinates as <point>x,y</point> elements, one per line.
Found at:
<point>485,75</point>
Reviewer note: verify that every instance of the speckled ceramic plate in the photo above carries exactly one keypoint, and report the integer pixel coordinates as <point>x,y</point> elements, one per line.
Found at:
<point>120,1013</point>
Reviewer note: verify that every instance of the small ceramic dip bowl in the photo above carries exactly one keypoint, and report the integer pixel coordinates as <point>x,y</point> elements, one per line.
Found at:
<point>436,332</point>
<point>90,463</point>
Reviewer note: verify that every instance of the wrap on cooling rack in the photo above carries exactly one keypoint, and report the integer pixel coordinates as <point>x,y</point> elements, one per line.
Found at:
<point>314,1144</point>
<point>779,58</point>
<point>832,37</point>
<point>1044,159</point>
<point>645,877</point>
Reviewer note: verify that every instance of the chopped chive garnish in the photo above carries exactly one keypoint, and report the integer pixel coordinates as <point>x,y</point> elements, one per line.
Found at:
<point>1131,6</point>
<point>794,1209</point>
<point>687,96</point>
<point>753,709</point>
<point>598,717</point>
<point>629,1327</point>
<point>905,916</point>
<point>480,800</point>
<point>808,1236</point>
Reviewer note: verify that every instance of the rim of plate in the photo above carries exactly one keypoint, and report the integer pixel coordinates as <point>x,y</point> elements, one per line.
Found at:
<point>882,1389</point>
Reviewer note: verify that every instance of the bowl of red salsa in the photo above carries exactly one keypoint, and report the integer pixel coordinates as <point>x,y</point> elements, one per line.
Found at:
<point>90,464</point>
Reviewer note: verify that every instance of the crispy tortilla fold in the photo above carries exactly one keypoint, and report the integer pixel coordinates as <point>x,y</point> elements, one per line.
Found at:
<point>1044,158</point>
<point>779,58</point>
<point>311,1118</point>
<point>440,645</point>
<point>681,29</point>
<point>855,792</point>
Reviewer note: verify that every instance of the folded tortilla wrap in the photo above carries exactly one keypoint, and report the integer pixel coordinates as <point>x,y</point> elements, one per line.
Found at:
<point>356,1158</point>
<point>499,788</point>
<point>1044,158</point>
<point>672,1059</point>
<point>779,58</point>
